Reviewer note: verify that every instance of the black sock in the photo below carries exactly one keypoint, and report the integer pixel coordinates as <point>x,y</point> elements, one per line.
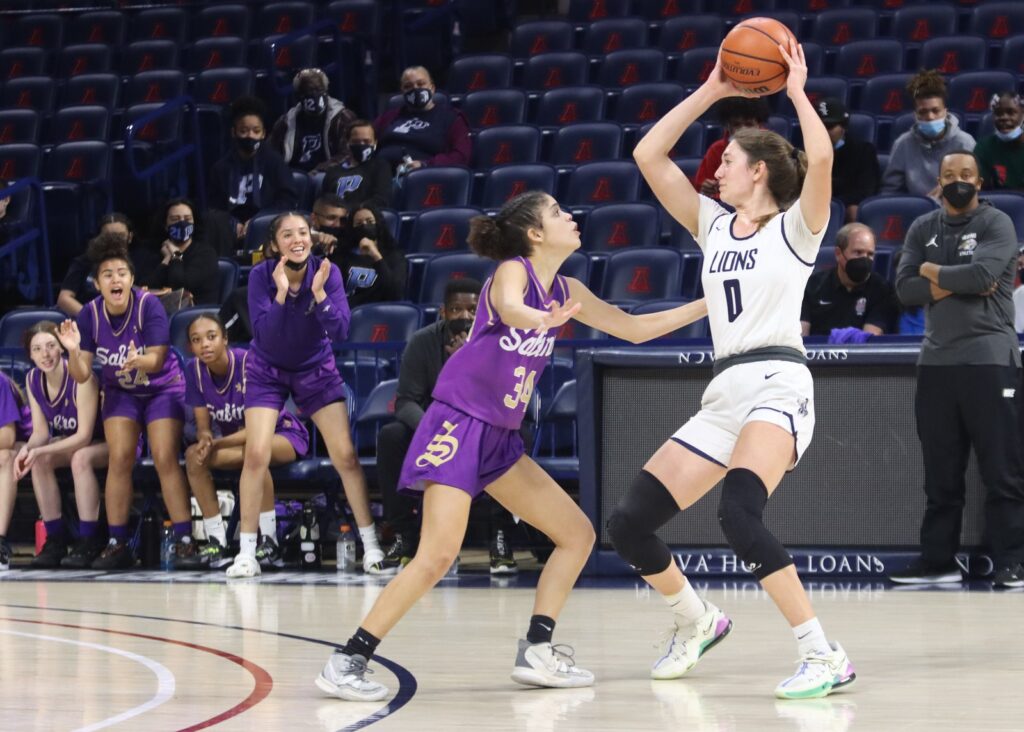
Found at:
<point>541,628</point>
<point>362,643</point>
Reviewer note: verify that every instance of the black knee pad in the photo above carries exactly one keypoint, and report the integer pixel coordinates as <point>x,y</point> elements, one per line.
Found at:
<point>740,516</point>
<point>646,508</point>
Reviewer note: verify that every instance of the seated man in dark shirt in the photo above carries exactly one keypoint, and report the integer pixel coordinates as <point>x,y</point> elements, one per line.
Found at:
<point>849,295</point>
<point>855,172</point>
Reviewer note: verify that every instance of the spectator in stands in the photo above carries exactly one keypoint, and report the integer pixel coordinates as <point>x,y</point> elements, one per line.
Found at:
<point>914,161</point>
<point>426,132</point>
<point>78,286</point>
<point>183,261</point>
<point>372,267</point>
<point>361,176</point>
<point>428,350</point>
<point>1001,154</point>
<point>251,176</point>
<point>734,113</point>
<point>15,428</point>
<point>855,172</point>
<point>313,131</point>
<point>960,262</point>
<point>849,295</point>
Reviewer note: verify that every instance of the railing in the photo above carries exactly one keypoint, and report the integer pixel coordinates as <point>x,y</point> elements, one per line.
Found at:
<point>133,129</point>
<point>25,240</point>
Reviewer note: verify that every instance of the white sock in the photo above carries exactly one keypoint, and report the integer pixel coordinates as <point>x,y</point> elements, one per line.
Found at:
<point>268,523</point>
<point>215,529</point>
<point>247,544</point>
<point>810,637</point>
<point>687,605</point>
<point>368,534</point>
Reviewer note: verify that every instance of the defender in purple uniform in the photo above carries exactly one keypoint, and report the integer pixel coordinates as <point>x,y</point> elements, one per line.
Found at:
<point>66,432</point>
<point>468,440</point>
<point>15,428</point>
<point>297,305</point>
<point>125,329</point>
<point>215,389</point>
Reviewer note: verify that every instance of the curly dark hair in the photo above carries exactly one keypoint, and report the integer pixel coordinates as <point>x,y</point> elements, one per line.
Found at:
<point>927,83</point>
<point>105,247</point>
<point>504,236</point>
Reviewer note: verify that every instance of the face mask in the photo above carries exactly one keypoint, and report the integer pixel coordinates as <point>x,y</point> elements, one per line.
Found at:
<point>1011,135</point>
<point>364,231</point>
<point>859,269</point>
<point>295,265</point>
<point>313,105</point>
<point>457,326</point>
<point>248,145</point>
<point>180,231</point>
<point>959,193</point>
<point>932,129</point>
<point>418,98</point>
<point>361,151</point>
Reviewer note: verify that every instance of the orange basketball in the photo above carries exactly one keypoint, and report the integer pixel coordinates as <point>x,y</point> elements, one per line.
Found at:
<point>751,58</point>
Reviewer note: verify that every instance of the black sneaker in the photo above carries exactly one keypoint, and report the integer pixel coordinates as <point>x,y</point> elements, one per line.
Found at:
<point>210,555</point>
<point>921,573</point>
<point>399,554</point>
<point>83,553</point>
<point>502,559</point>
<point>115,555</point>
<point>50,556</point>
<point>268,553</point>
<point>1009,577</point>
<point>5,554</point>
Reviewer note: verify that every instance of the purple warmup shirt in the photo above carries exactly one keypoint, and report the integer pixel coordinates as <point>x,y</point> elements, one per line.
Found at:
<point>106,336</point>
<point>297,335</point>
<point>61,411</point>
<point>14,408</point>
<point>225,400</point>
<point>492,377</point>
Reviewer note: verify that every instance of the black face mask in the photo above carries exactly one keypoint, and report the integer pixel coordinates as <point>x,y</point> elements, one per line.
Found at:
<point>295,265</point>
<point>313,105</point>
<point>180,231</point>
<point>248,145</point>
<point>361,151</point>
<point>458,326</point>
<point>959,193</point>
<point>364,231</point>
<point>859,269</point>
<point>418,98</point>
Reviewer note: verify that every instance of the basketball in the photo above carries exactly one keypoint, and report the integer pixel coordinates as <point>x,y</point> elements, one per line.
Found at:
<point>751,58</point>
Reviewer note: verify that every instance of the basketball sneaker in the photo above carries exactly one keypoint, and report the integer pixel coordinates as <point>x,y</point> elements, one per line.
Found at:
<point>344,676</point>
<point>373,562</point>
<point>542,664</point>
<point>83,553</point>
<point>921,573</point>
<point>115,555</point>
<point>50,556</point>
<point>210,555</point>
<point>399,554</point>
<point>685,645</point>
<point>1009,577</point>
<point>268,553</point>
<point>244,566</point>
<point>5,554</point>
<point>818,675</point>
<point>503,561</point>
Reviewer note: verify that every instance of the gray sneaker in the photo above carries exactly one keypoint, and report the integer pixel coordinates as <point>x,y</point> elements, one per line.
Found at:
<point>345,677</point>
<point>542,664</point>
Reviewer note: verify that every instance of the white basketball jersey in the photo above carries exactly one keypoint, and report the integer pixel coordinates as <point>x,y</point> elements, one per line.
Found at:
<point>754,285</point>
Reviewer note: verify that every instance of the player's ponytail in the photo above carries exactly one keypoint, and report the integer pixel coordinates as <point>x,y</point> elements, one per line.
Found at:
<point>504,236</point>
<point>787,166</point>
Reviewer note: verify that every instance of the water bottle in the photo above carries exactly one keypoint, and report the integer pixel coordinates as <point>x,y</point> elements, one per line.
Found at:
<point>167,547</point>
<point>149,541</point>
<point>346,550</point>
<point>309,538</point>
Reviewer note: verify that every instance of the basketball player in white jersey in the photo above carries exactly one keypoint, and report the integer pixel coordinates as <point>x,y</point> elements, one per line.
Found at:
<point>757,414</point>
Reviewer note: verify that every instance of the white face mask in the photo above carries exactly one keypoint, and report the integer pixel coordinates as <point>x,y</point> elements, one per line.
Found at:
<point>1011,135</point>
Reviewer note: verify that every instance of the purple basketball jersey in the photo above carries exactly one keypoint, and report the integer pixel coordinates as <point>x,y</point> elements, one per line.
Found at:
<point>61,411</point>
<point>492,377</point>
<point>106,336</point>
<point>14,409</point>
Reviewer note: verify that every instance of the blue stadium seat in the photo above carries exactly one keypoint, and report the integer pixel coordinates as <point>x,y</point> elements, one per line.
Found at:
<point>1011,204</point>
<point>631,66</point>
<point>287,58</point>
<point>151,87</point>
<point>14,324</point>
<point>865,59</point>
<point>85,58</point>
<point>163,130</point>
<point>735,8</point>
<point>616,225</point>
<point>503,183</point>
<point>442,230</point>
<point>843,25</point>
<point>644,103</point>
<point>814,55</point>
<point>555,447</point>
<point>592,184</point>
<point>160,24</point>
<point>178,326</point>
<point>555,70</point>
<point>100,26</point>
<point>478,72</point>
<point>220,21</point>
<point>1012,56</point>
<point>376,410</point>
<point>19,125</point>
<point>920,22</point>
<point>494,107</point>
<point>614,34</point>
<point>683,32</point>
<point>576,266</point>
<point>953,54</point>
<point>258,232</point>
<point>221,86</point>
<point>588,11</point>
<point>29,92</point>
<point>665,11</point>
<point>140,56</point>
<point>695,65</point>
<point>862,127</point>
<point>92,89</point>
<point>280,18</point>
<point>42,31</point>
<point>76,178</point>
<point>446,267</point>
<point>972,91</point>
<point>506,144</point>
<point>890,216</point>
<point>643,274</point>
<point>681,239</point>
<point>692,144</point>
<point>698,329</point>
<point>586,142</point>
<point>997,21</point>
<point>378,322</point>
<point>216,53</point>
<point>19,161</point>
<point>569,105</point>
<point>575,330</point>
<point>817,88</point>
<point>22,61</point>
<point>540,36</point>
<point>771,9</point>
<point>227,270</point>
<point>436,186</point>
<point>886,95</point>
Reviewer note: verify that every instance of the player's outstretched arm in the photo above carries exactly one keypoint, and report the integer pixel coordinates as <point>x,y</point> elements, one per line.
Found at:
<point>506,295</point>
<point>598,314</point>
<point>669,183</point>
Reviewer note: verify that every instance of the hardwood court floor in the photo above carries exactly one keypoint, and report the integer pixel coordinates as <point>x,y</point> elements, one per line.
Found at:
<point>173,654</point>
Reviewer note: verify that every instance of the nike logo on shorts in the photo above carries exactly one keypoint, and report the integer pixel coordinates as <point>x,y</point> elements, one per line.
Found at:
<point>768,376</point>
